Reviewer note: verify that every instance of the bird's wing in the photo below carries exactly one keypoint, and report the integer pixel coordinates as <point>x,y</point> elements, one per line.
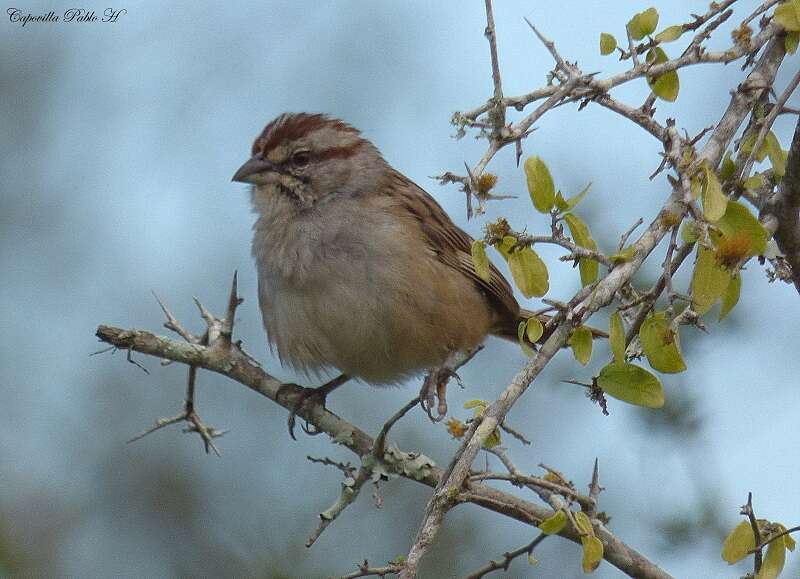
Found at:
<point>453,246</point>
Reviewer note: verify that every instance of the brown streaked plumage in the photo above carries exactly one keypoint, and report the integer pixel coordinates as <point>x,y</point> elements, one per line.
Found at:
<point>359,268</point>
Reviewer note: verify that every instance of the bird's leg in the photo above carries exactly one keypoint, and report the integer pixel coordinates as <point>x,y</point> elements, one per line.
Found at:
<point>320,394</point>
<point>435,384</point>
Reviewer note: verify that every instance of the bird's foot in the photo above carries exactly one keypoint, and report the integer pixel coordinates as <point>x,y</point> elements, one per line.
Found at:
<point>317,396</point>
<point>435,387</point>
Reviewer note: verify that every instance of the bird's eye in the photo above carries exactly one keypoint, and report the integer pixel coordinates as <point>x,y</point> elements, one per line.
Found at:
<point>301,158</point>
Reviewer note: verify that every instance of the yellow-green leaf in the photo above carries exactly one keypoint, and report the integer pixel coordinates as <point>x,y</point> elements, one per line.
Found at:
<point>747,147</point>
<point>731,296</point>
<point>643,23</point>
<point>631,384</point>
<point>607,43</point>
<point>666,85</point>
<point>755,182</point>
<point>690,231</point>
<point>774,560</point>
<point>696,187</point>
<point>775,154</point>
<point>787,14</point>
<point>592,553</point>
<point>540,184</point>
<point>493,439</point>
<point>624,255</point>
<point>727,170</point>
<point>553,525</point>
<point>739,219</point>
<point>534,329</point>
<point>714,200</point>
<point>574,200</point>
<point>661,344</point>
<point>475,403</point>
<point>529,272</point>
<point>506,245</point>
<point>670,33</point>
<point>787,539</point>
<point>616,337</point>
<point>791,41</point>
<point>739,542</point>
<point>521,330</point>
<point>589,268</point>
<point>581,343</point>
<point>709,281</point>
<point>583,524</point>
<point>480,260</point>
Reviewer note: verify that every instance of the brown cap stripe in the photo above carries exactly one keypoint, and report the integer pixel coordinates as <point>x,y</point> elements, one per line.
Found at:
<point>292,126</point>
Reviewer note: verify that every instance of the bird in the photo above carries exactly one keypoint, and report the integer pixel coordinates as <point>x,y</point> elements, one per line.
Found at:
<point>360,269</point>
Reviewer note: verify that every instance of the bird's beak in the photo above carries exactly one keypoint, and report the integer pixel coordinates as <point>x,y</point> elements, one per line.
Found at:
<point>251,168</point>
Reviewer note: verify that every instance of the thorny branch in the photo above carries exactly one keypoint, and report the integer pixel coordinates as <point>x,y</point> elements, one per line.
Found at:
<point>678,204</point>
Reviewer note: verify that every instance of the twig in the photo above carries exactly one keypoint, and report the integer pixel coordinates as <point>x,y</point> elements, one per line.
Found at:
<point>747,510</point>
<point>768,540</point>
<point>508,557</point>
<point>364,570</point>
<point>766,125</point>
<point>515,433</point>
<point>351,487</point>
<point>624,239</point>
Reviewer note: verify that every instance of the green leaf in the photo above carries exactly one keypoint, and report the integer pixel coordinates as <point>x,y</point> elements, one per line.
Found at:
<point>774,560</point>
<point>506,245</point>
<point>709,281</point>
<point>787,14</point>
<point>583,524</point>
<point>529,272</point>
<point>643,23</point>
<point>666,86</point>
<point>696,187</point>
<point>521,330</point>
<point>480,260</point>
<point>731,296</point>
<point>791,41</point>
<point>581,343</point>
<point>607,43</point>
<point>592,553</point>
<point>553,525</point>
<point>739,219</point>
<point>631,384</point>
<point>775,154</point>
<point>475,403</point>
<point>534,329</point>
<point>589,268</point>
<point>728,169</point>
<point>690,231</point>
<point>616,337</point>
<point>738,544</point>
<point>747,147</point>
<point>661,344</point>
<point>787,539</point>
<point>493,439</point>
<point>540,184</point>
<point>714,200</point>
<point>624,255</point>
<point>755,182</point>
<point>574,200</point>
<point>670,33</point>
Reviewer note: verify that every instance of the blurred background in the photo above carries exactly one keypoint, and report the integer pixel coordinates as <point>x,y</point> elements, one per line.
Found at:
<point>118,145</point>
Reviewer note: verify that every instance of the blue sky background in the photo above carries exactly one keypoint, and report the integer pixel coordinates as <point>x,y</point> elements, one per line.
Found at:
<point>118,145</point>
